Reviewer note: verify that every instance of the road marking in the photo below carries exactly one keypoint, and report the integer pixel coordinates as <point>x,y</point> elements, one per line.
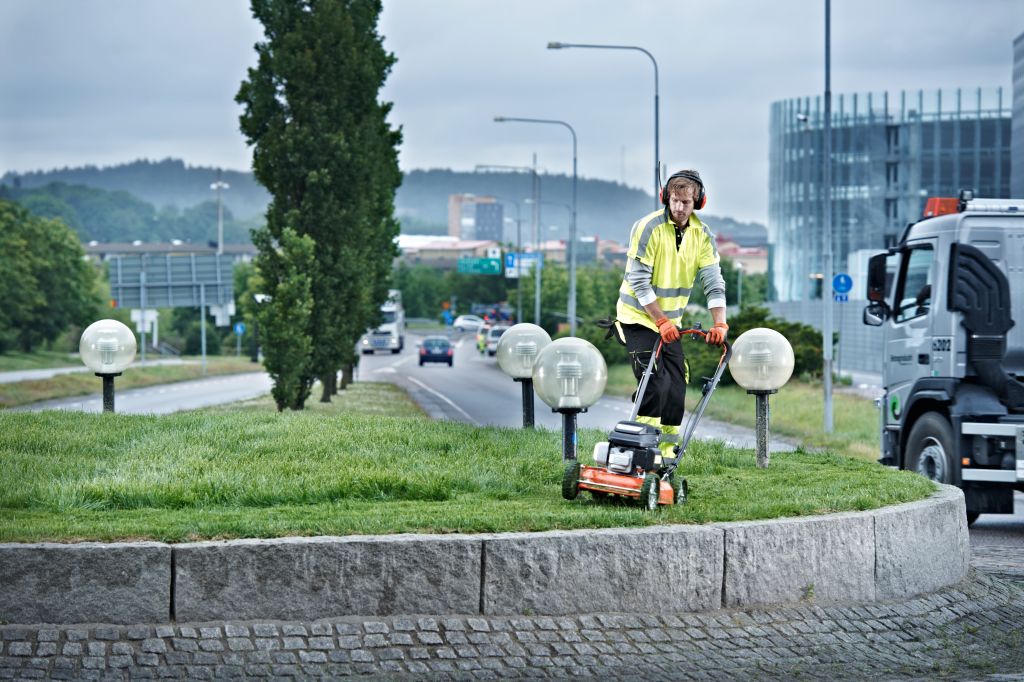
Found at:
<point>404,360</point>
<point>444,398</point>
<point>385,370</point>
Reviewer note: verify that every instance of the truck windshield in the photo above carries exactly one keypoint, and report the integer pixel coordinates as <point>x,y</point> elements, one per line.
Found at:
<point>387,316</point>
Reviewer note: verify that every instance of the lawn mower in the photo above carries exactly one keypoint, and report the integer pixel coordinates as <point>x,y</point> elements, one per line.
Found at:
<point>628,463</point>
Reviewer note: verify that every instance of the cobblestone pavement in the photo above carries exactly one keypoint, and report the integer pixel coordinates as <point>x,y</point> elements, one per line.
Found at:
<point>973,631</point>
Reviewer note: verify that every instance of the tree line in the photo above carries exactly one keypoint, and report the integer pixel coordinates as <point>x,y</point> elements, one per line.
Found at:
<point>46,283</point>
<point>118,216</point>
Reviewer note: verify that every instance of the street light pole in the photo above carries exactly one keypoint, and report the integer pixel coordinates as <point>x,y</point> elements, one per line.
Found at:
<point>218,187</point>
<point>826,283</point>
<point>536,231</point>
<point>657,158</point>
<point>572,228</point>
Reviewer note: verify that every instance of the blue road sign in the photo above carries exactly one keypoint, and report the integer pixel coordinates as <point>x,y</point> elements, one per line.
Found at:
<point>842,283</point>
<point>239,328</point>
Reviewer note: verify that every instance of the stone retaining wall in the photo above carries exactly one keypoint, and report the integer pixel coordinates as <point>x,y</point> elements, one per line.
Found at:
<point>879,555</point>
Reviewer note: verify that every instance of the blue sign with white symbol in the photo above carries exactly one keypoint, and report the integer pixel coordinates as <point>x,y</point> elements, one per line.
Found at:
<point>239,328</point>
<point>842,283</point>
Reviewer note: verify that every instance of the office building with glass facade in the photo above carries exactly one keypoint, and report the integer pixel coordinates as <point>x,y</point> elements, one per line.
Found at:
<point>890,152</point>
<point>1017,136</point>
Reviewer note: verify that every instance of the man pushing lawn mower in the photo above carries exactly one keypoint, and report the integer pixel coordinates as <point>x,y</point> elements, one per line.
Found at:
<point>667,250</point>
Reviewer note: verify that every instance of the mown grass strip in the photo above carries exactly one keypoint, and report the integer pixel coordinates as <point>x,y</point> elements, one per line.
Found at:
<point>248,471</point>
<point>15,361</point>
<point>86,383</point>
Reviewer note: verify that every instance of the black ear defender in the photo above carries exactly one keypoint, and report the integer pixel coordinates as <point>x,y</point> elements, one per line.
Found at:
<point>699,201</point>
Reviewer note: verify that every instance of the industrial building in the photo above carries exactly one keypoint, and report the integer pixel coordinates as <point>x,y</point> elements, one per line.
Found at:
<point>890,151</point>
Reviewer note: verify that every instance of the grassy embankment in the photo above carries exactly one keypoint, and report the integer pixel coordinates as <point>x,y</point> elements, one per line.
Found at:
<point>354,467</point>
<point>85,383</point>
<point>797,411</point>
<point>15,361</point>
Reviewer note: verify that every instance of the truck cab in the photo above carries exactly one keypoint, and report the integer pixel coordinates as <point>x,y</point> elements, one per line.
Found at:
<point>953,369</point>
<point>390,333</point>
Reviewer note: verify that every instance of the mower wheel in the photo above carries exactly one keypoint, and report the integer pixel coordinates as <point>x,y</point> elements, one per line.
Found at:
<point>681,491</point>
<point>571,481</point>
<point>649,492</point>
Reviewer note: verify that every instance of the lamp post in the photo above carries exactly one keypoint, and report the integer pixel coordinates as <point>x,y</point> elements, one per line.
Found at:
<point>517,352</point>
<point>219,186</point>
<point>572,229</point>
<point>826,299</point>
<point>107,347</point>
<point>569,375</point>
<point>762,361</point>
<point>657,158</point>
<point>536,225</point>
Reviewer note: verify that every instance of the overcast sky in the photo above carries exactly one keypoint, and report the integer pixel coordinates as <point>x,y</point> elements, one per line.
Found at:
<point>109,81</point>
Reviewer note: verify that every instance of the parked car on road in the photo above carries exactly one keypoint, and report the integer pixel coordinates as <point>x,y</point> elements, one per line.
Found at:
<point>436,349</point>
<point>467,323</point>
<point>493,335</point>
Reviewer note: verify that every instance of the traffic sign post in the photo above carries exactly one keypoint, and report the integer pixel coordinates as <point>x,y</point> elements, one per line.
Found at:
<point>239,330</point>
<point>842,284</point>
<point>519,264</point>
<point>479,266</point>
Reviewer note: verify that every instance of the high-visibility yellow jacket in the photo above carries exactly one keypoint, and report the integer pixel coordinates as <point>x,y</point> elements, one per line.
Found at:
<point>652,242</point>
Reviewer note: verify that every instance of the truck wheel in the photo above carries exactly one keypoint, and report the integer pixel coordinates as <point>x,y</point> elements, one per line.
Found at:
<point>930,448</point>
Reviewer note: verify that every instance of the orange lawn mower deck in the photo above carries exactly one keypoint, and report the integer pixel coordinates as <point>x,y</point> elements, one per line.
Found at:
<point>629,463</point>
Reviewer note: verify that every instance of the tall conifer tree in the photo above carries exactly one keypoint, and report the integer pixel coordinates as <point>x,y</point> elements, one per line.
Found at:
<point>325,152</point>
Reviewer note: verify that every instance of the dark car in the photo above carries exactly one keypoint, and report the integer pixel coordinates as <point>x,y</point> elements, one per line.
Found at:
<point>436,349</point>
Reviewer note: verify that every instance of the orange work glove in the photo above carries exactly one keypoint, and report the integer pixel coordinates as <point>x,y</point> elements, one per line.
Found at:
<point>669,332</point>
<point>716,335</point>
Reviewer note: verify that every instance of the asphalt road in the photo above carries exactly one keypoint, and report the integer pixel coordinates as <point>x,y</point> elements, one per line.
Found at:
<point>166,398</point>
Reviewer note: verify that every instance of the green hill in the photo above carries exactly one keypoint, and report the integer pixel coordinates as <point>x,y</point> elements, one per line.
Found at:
<point>170,187</point>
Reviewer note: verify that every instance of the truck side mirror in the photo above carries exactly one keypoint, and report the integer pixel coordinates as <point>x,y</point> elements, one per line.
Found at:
<point>875,314</point>
<point>876,278</point>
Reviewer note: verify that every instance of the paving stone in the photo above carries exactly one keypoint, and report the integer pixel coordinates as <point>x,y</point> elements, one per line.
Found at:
<point>429,624</point>
<point>265,630</point>
<point>294,630</point>
<point>321,629</point>
<point>234,630</point>
<point>211,645</point>
<point>348,628</point>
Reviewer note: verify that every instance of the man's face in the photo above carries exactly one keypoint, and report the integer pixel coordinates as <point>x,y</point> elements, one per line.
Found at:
<point>680,205</point>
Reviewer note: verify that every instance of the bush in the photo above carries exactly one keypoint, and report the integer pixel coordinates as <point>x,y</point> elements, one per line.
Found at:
<point>806,342</point>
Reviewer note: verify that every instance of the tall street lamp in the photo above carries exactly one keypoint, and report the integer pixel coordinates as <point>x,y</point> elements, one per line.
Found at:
<point>572,229</point>
<point>219,187</point>
<point>657,158</point>
<point>826,297</point>
<point>536,226</point>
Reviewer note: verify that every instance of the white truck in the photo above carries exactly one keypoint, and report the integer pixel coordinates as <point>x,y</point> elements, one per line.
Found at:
<point>953,371</point>
<point>390,334</point>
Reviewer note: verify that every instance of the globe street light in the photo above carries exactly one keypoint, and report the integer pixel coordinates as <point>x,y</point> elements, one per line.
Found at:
<point>657,158</point>
<point>572,229</point>
<point>570,375</point>
<point>517,352</point>
<point>107,347</point>
<point>536,225</point>
<point>762,361</point>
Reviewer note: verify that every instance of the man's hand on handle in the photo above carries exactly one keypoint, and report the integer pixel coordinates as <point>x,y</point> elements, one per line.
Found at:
<point>716,335</point>
<point>669,332</point>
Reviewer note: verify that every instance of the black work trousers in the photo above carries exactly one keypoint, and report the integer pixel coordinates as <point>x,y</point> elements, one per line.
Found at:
<point>666,390</point>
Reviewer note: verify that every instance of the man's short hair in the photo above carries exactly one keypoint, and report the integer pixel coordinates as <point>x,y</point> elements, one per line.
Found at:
<point>677,184</point>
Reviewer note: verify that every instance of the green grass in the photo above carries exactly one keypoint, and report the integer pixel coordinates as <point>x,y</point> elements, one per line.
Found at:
<point>43,359</point>
<point>85,383</point>
<point>796,411</point>
<point>248,471</point>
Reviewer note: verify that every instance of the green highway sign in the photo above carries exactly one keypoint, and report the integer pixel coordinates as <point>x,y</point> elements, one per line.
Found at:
<point>480,266</point>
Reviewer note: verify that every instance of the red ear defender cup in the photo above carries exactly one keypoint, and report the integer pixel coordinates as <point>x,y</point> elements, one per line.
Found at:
<point>699,201</point>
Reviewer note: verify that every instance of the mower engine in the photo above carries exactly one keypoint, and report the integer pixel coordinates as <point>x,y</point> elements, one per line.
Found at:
<point>631,446</point>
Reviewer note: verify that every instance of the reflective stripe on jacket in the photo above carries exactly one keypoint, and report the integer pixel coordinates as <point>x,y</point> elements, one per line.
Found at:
<point>652,241</point>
